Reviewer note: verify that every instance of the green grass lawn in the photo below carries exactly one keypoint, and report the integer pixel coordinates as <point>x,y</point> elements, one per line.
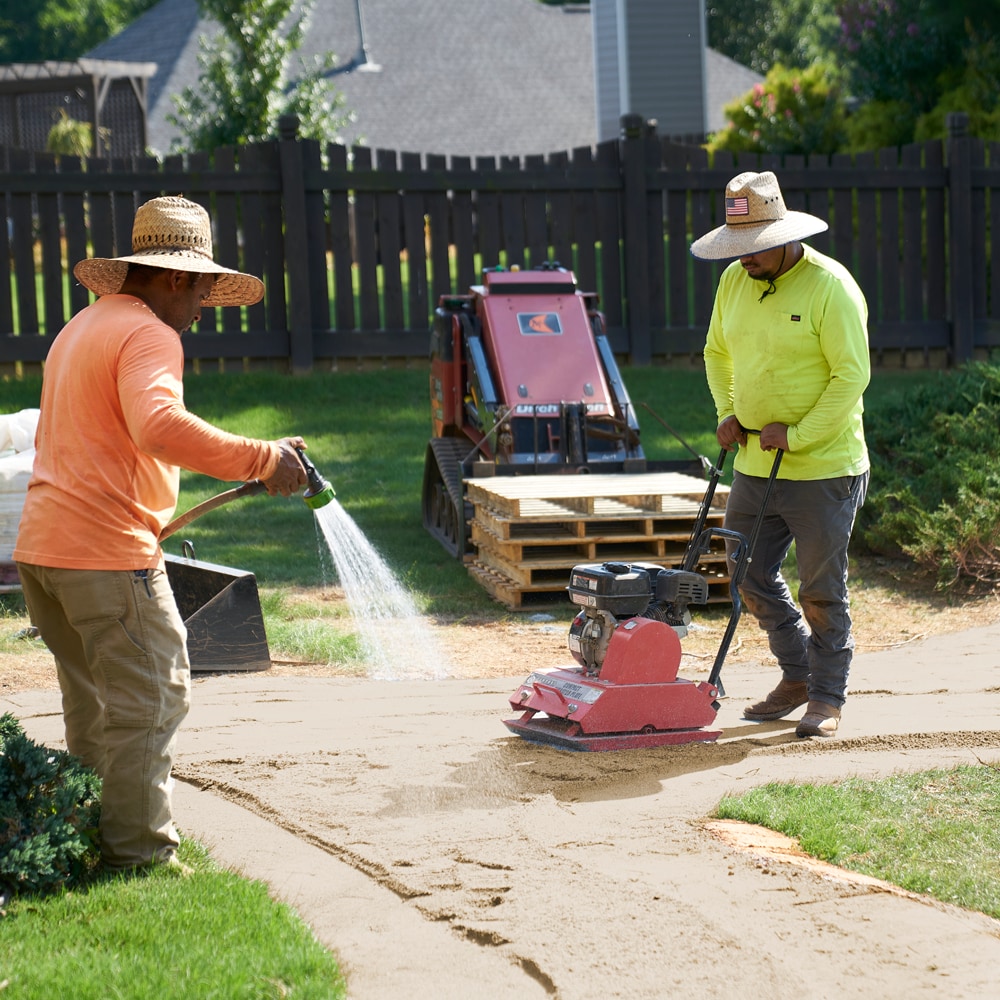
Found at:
<point>935,832</point>
<point>208,936</point>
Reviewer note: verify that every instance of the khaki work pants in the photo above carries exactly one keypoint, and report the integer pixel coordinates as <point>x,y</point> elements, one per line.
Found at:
<point>120,649</point>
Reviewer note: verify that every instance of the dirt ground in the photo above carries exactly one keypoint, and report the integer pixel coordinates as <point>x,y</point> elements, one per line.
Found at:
<point>584,875</point>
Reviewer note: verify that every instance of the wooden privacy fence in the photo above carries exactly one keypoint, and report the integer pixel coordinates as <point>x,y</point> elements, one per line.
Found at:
<point>355,246</point>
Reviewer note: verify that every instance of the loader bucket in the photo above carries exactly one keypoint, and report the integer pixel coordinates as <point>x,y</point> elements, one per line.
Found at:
<point>221,609</point>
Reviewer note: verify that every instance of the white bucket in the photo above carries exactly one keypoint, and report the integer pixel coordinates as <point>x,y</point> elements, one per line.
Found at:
<point>17,454</point>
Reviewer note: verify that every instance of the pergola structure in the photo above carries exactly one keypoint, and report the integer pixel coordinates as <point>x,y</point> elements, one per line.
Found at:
<point>110,96</point>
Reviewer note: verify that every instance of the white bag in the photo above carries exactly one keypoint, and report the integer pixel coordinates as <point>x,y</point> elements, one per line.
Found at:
<point>17,455</point>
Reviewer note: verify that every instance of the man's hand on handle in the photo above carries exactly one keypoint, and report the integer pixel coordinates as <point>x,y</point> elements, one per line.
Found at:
<point>731,433</point>
<point>290,476</point>
<point>774,436</point>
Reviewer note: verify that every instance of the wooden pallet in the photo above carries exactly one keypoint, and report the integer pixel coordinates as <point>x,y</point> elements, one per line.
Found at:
<point>529,532</point>
<point>589,495</point>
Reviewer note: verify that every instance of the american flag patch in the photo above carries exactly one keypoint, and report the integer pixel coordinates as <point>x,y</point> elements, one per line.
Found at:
<point>737,206</point>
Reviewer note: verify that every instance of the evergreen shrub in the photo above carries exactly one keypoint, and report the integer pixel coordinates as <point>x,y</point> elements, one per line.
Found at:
<point>935,486</point>
<point>49,808</point>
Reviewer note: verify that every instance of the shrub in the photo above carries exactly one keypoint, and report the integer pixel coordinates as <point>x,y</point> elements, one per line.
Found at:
<point>49,808</point>
<point>792,111</point>
<point>935,492</point>
<point>879,123</point>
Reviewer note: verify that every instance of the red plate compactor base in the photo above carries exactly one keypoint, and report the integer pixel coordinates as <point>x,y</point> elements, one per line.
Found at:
<point>637,701</point>
<point>625,694</point>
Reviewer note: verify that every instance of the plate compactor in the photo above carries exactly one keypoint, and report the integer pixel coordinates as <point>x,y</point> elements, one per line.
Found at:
<point>625,693</point>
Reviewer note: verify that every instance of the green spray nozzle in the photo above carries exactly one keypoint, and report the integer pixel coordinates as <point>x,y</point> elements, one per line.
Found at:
<point>318,492</point>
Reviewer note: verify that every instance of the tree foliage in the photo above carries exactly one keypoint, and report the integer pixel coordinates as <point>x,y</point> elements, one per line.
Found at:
<point>247,84</point>
<point>36,30</point>
<point>794,33</point>
<point>899,66</point>
<point>793,111</point>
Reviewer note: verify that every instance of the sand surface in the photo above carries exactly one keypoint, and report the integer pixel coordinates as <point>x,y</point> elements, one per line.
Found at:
<point>443,857</point>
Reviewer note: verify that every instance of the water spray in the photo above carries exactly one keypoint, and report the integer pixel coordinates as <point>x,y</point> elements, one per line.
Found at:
<point>318,494</point>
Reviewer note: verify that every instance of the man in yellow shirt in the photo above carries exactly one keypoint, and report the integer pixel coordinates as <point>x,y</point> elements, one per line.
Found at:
<point>787,361</point>
<point>112,436</point>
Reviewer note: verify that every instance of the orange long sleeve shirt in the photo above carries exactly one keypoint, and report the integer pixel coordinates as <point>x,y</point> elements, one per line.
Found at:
<point>112,437</point>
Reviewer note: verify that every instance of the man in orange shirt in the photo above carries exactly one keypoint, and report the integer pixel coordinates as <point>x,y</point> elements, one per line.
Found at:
<point>112,436</point>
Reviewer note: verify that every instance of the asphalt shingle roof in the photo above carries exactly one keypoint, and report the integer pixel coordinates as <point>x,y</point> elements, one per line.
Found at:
<point>460,77</point>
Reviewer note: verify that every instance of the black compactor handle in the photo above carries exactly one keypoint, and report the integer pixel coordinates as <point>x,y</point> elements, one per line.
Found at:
<point>741,557</point>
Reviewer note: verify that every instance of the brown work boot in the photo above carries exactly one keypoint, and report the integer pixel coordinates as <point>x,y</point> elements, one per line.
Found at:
<point>820,719</point>
<point>782,701</point>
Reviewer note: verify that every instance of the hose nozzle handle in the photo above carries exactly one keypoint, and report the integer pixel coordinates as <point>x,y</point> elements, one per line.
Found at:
<point>319,492</point>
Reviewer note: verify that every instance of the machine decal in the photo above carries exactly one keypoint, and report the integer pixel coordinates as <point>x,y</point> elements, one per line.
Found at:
<point>541,409</point>
<point>539,323</point>
<point>578,692</point>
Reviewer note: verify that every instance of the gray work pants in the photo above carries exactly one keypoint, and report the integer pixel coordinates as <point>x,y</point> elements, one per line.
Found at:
<point>818,516</point>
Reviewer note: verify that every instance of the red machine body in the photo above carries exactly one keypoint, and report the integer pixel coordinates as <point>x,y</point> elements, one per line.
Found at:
<point>636,701</point>
<point>523,380</point>
<point>541,344</point>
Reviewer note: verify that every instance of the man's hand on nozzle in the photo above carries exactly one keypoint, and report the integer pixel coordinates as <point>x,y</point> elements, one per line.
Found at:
<point>290,476</point>
<point>731,433</point>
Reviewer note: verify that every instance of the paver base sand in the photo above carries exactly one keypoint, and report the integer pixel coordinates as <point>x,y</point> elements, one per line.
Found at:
<point>445,858</point>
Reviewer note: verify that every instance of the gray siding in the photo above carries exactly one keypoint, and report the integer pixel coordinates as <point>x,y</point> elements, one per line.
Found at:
<point>604,15</point>
<point>658,57</point>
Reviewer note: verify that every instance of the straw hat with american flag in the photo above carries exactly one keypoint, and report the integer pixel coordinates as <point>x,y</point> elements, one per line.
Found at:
<point>756,220</point>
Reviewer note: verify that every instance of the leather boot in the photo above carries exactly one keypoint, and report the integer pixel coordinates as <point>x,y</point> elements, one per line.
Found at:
<point>820,719</point>
<point>782,701</point>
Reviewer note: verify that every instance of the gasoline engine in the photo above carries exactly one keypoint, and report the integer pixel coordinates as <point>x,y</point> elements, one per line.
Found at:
<point>611,592</point>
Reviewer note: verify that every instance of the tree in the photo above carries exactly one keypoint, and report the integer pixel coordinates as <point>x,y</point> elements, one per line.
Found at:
<point>36,30</point>
<point>908,62</point>
<point>794,33</point>
<point>900,65</point>
<point>245,85</point>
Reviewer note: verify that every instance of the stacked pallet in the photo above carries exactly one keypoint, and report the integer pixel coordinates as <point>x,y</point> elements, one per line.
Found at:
<point>528,532</point>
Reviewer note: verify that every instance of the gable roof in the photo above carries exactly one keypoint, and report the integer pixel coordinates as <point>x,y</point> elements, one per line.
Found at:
<point>460,77</point>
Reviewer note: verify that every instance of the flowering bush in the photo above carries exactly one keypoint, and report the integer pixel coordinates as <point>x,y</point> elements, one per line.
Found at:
<point>792,111</point>
<point>895,50</point>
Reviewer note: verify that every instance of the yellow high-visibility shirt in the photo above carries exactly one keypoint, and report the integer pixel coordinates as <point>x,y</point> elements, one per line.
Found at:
<point>799,357</point>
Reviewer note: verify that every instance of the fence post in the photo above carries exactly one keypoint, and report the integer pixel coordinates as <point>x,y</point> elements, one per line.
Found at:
<point>633,146</point>
<point>293,203</point>
<point>960,254</point>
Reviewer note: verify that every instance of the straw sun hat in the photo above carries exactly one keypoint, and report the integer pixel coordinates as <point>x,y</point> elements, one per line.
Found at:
<point>176,234</point>
<point>756,220</point>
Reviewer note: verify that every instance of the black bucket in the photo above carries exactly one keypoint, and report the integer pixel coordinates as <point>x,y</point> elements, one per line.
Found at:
<point>221,609</point>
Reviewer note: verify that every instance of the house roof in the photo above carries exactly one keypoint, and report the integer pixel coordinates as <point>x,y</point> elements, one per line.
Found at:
<point>460,77</point>
<point>55,73</point>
